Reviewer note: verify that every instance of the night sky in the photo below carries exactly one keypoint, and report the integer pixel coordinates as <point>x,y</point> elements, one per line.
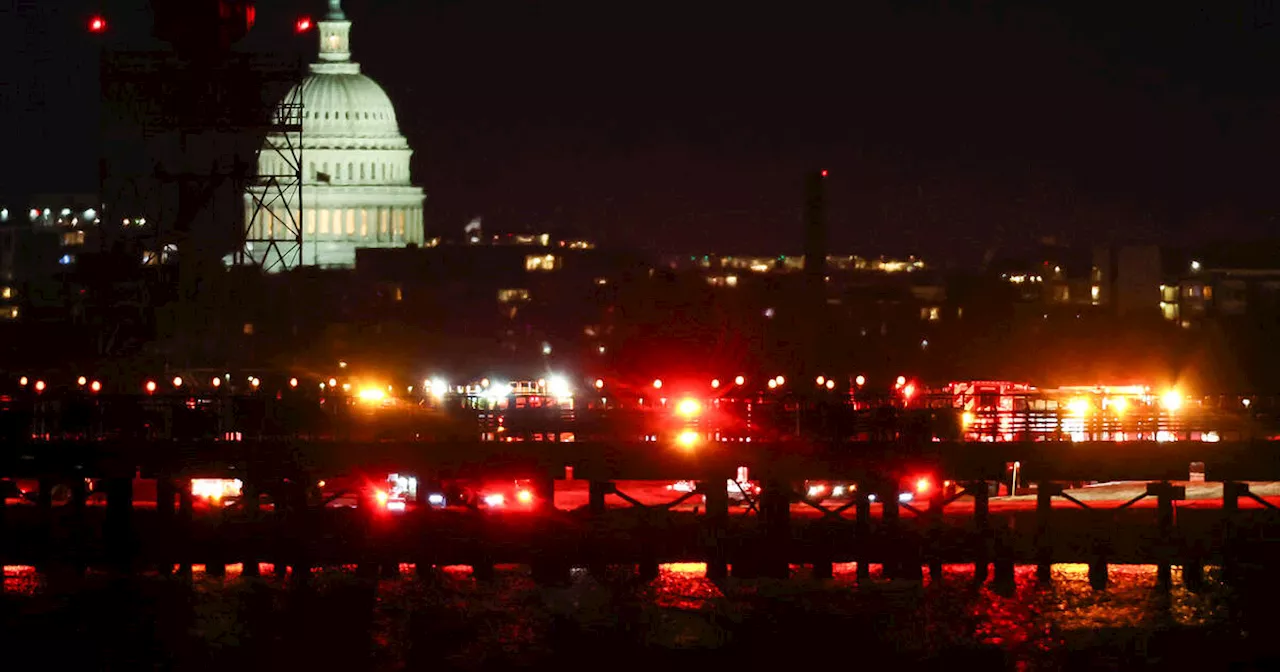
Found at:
<point>948,128</point>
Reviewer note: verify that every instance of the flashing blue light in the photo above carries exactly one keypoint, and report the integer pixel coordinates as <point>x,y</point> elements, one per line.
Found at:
<point>66,260</point>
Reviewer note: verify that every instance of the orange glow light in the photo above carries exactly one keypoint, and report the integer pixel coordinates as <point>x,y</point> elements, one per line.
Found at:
<point>908,391</point>
<point>382,498</point>
<point>688,439</point>
<point>923,485</point>
<point>39,386</point>
<point>599,383</point>
<point>524,496</point>
<point>82,381</point>
<point>688,407</point>
<point>293,382</point>
<point>150,386</point>
<point>95,386</point>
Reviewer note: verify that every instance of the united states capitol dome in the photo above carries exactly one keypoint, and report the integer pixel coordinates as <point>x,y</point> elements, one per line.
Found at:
<point>356,190</point>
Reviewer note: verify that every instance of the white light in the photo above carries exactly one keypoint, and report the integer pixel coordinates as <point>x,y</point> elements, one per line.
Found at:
<point>557,386</point>
<point>498,391</point>
<point>395,505</point>
<point>495,499</point>
<point>1195,266</point>
<point>90,214</point>
<point>34,214</point>
<point>871,498</point>
<point>546,348</point>
<point>435,499</point>
<point>904,497</point>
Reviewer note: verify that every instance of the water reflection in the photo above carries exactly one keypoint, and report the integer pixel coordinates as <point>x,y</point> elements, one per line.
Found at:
<point>446,617</point>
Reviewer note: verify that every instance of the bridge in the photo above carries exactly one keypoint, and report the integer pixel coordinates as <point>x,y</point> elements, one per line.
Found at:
<point>278,524</point>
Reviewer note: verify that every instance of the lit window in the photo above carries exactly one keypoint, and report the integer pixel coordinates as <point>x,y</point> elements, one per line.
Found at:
<point>1095,294</point>
<point>512,295</point>
<point>1208,292</point>
<point>11,313</point>
<point>6,292</point>
<point>541,262</point>
<point>72,238</point>
<point>931,314</point>
<point>248,329</point>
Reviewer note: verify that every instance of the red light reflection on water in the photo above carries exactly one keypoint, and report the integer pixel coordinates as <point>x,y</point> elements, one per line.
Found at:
<point>684,585</point>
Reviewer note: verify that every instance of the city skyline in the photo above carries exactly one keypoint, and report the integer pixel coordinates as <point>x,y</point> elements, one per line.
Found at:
<point>649,132</point>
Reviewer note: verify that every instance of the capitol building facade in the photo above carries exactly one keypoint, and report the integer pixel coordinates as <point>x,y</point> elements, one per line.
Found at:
<point>356,189</point>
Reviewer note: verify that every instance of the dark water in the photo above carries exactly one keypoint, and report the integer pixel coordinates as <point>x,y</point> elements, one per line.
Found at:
<point>451,621</point>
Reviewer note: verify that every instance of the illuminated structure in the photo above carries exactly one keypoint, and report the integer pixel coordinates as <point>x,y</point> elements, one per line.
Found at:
<point>356,190</point>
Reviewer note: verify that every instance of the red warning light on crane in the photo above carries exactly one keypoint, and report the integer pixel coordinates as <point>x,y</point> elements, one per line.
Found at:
<point>824,173</point>
<point>303,24</point>
<point>97,24</point>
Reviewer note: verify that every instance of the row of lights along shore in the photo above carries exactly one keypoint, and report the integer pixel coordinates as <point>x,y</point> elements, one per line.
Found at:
<point>437,388</point>
<point>773,383</point>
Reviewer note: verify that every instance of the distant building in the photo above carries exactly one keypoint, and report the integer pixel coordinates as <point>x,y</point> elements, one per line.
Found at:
<point>40,244</point>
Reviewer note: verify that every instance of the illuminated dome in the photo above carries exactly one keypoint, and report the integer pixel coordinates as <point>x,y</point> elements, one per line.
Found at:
<point>356,188</point>
<point>338,105</point>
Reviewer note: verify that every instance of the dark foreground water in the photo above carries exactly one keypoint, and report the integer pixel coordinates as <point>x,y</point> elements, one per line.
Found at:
<point>615,622</point>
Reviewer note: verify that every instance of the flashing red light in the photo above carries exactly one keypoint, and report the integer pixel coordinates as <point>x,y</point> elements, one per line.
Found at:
<point>908,391</point>
<point>524,496</point>
<point>688,407</point>
<point>303,24</point>
<point>382,498</point>
<point>95,386</point>
<point>824,173</point>
<point>923,485</point>
<point>97,25</point>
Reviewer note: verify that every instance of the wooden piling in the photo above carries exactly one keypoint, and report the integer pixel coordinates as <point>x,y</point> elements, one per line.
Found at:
<point>165,508</point>
<point>119,521</point>
<point>1098,577</point>
<point>1166,494</point>
<point>937,504</point>
<point>1045,492</point>
<point>1228,534</point>
<point>716,526</point>
<point>862,534</point>
<point>982,527</point>
<point>775,511</point>
<point>186,502</point>
<point>597,490</point>
<point>4,519</point>
<point>251,495</point>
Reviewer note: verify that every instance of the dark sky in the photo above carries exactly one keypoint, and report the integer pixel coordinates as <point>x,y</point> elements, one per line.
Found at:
<point>948,128</point>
